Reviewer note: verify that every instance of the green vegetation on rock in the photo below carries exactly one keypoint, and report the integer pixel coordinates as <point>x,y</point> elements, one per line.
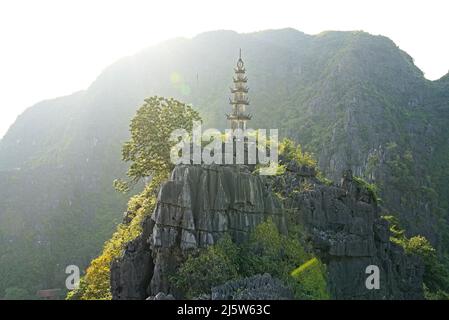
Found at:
<point>266,251</point>
<point>436,275</point>
<point>370,187</point>
<point>148,151</point>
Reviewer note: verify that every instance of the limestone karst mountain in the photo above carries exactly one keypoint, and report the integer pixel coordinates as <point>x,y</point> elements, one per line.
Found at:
<point>201,203</point>
<point>356,100</point>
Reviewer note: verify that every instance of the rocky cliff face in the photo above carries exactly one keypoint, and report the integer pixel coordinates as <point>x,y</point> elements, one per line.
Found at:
<point>200,203</point>
<point>194,209</point>
<point>345,228</point>
<point>258,287</point>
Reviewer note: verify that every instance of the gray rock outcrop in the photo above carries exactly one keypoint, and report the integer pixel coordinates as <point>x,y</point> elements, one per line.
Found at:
<point>200,203</point>
<point>258,287</point>
<point>346,231</point>
<point>161,296</point>
<point>194,209</point>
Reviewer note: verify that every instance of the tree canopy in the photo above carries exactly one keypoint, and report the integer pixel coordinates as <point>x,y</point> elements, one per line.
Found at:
<point>149,147</point>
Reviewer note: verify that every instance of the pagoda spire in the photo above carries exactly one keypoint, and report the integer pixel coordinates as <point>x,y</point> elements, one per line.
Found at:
<point>239,100</point>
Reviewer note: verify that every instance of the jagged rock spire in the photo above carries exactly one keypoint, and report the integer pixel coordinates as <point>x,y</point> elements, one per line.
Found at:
<point>239,100</point>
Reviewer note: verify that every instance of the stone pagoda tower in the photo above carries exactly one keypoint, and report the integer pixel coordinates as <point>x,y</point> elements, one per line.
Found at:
<point>239,100</point>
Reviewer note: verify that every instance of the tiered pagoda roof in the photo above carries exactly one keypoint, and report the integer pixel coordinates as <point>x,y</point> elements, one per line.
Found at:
<point>239,100</point>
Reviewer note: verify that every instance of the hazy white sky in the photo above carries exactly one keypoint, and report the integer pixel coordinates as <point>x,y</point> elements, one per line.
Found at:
<point>50,48</point>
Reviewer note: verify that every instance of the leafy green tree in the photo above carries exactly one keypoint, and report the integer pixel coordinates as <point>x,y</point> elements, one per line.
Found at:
<point>148,150</point>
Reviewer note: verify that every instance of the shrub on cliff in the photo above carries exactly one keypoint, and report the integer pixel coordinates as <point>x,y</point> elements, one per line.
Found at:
<point>311,281</point>
<point>371,188</point>
<point>266,251</point>
<point>214,266</point>
<point>436,275</point>
<point>291,151</point>
<point>95,285</point>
